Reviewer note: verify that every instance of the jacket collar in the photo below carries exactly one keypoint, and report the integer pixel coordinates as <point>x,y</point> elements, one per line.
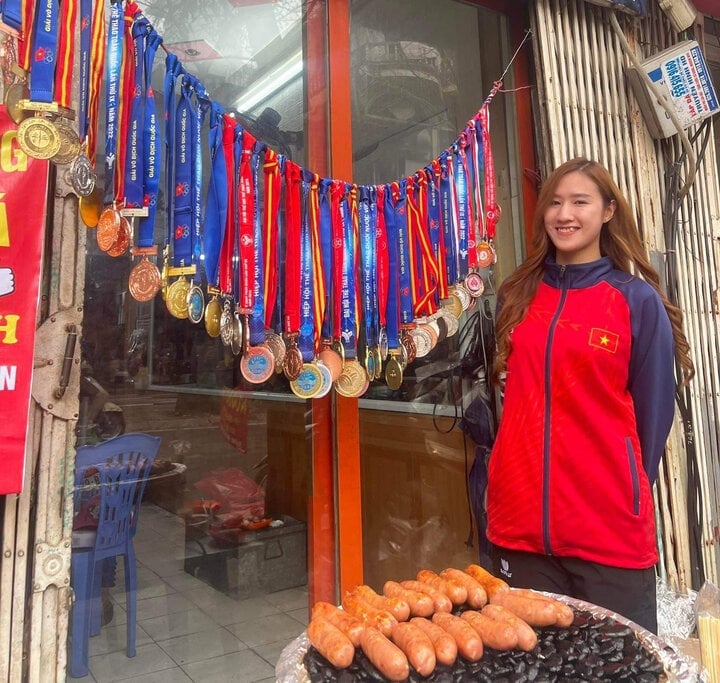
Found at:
<point>576,276</point>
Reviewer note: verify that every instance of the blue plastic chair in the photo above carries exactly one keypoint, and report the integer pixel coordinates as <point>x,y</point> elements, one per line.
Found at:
<point>119,469</point>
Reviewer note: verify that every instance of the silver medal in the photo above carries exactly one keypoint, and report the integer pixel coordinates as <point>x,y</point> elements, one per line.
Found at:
<point>82,176</point>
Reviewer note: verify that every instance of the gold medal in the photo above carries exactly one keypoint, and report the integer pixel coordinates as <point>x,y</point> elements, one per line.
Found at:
<point>69,145</point>
<point>293,362</point>
<point>213,311</point>
<point>16,92</point>
<point>378,363</point>
<point>144,282</point>
<point>176,299</point>
<point>108,228</point>
<point>353,379</point>
<point>453,306</point>
<point>123,239</point>
<point>91,207</point>
<point>393,372</point>
<point>309,382</point>
<point>38,138</point>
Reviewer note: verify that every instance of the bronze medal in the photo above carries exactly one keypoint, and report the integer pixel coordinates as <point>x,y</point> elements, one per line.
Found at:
<point>485,254</point>
<point>332,360</point>
<point>108,228</point>
<point>257,364</point>
<point>277,348</point>
<point>123,239</point>
<point>393,372</point>
<point>213,311</point>
<point>309,382</point>
<point>69,145</point>
<point>144,282</point>
<point>474,284</point>
<point>353,379</point>
<point>16,92</point>
<point>195,304</point>
<point>91,207</point>
<point>409,343</point>
<point>226,324</point>
<point>38,138</point>
<point>293,362</point>
<point>176,299</point>
<point>82,177</point>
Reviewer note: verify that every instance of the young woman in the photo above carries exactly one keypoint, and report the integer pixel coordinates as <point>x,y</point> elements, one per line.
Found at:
<point>587,350</point>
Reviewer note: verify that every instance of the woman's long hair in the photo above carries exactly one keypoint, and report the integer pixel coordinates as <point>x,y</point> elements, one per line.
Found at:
<point>619,240</point>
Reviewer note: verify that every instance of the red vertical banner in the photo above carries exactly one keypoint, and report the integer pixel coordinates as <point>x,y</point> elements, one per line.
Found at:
<point>23,187</point>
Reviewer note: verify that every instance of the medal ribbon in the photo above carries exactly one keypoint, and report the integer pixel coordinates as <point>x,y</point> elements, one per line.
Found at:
<point>112,95</point>
<point>12,14</point>
<point>319,278</point>
<point>44,50</point>
<point>337,190</point>
<point>84,76</point>
<point>381,252</point>
<point>257,317</point>
<point>348,332</point>
<point>271,209</point>
<point>306,340</point>
<point>278,316</point>
<point>216,204</point>
<point>461,208</point>
<point>246,223</point>
<point>227,250</point>
<point>447,218</point>
<point>24,36</point>
<point>98,48</point>
<point>465,197</point>
<point>477,170</point>
<point>202,106</point>
<point>293,254</point>
<point>66,52</point>
<point>393,290</point>
<point>403,252</point>
<point>182,198</point>
<point>134,162</point>
<point>425,305</point>
<point>367,210</point>
<point>432,175</point>
<point>127,78</point>
<point>151,179</point>
<point>327,255</point>
<point>492,210</point>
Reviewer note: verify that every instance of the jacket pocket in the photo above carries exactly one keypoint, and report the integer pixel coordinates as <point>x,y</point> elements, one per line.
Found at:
<point>634,477</point>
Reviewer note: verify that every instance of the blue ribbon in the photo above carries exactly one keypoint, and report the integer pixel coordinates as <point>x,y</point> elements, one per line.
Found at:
<point>217,200</point>
<point>367,211</point>
<point>201,109</point>
<point>461,190</point>
<point>326,252</point>
<point>392,322</point>
<point>433,216</point>
<point>306,339</point>
<point>348,328</point>
<point>257,318</point>
<point>12,13</point>
<point>173,69</point>
<point>181,225</point>
<point>84,77</point>
<point>403,246</point>
<point>44,54</point>
<point>134,158</point>
<point>448,219</point>
<point>112,94</point>
<point>151,131</point>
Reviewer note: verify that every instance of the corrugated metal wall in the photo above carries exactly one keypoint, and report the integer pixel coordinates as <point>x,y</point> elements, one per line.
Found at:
<point>586,108</point>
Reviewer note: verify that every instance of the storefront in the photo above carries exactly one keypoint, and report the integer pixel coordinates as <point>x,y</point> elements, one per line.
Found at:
<point>259,501</point>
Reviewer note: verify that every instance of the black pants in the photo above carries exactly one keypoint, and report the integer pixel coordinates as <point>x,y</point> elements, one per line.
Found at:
<point>629,592</point>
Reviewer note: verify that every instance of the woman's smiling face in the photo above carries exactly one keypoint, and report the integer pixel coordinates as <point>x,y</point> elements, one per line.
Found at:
<point>575,218</point>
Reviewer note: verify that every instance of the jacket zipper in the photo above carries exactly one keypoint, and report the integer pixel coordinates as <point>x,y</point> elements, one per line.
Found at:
<point>546,435</point>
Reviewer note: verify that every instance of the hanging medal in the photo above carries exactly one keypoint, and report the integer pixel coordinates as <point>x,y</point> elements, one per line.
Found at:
<point>272,188</point>
<point>394,368</point>
<point>486,249</point>
<point>215,216</point>
<point>367,210</point>
<point>328,354</point>
<point>257,364</point>
<point>293,361</point>
<point>310,380</point>
<point>353,380</point>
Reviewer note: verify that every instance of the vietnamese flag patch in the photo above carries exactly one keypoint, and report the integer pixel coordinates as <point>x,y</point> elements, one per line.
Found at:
<point>603,339</point>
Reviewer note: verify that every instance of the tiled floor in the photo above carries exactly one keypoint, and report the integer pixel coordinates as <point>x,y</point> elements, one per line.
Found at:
<point>187,630</point>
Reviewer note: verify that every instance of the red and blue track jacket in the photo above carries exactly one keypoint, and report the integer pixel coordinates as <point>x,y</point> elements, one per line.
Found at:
<point>589,402</point>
